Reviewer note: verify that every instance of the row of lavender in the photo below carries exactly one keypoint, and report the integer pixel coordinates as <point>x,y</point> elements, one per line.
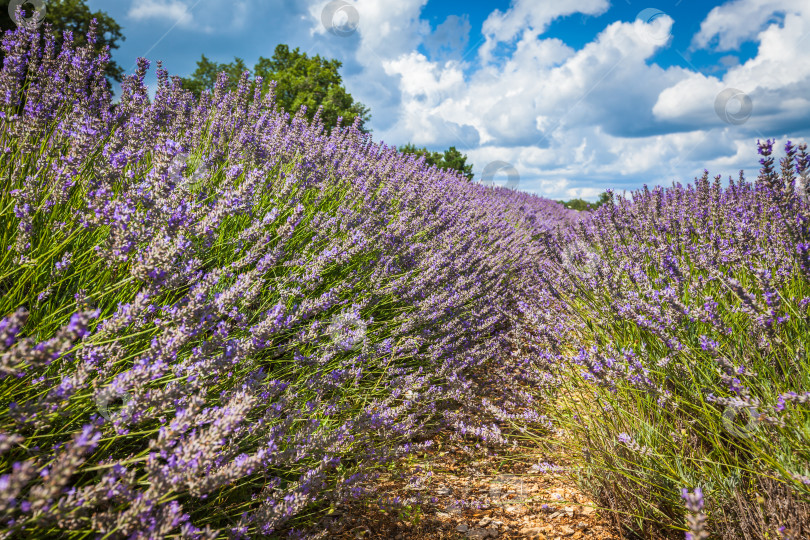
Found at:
<point>672,336</point>
<point>220,320</point>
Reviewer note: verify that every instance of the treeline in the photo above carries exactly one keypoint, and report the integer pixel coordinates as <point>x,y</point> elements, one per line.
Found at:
<point>581,204</point>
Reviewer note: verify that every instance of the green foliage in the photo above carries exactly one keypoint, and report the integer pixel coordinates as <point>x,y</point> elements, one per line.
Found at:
<point>431,158</point>
<point>581,204</point>
<point>576,204</point>
<point>411,514</point>
<point>450,159</point>
<point>74,15</point>
<point>300,80</point>
<point>603,198</point>
<point>205,76</point>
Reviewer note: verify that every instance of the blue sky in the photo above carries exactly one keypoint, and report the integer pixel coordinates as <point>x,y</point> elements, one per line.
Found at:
<point>577,95</point>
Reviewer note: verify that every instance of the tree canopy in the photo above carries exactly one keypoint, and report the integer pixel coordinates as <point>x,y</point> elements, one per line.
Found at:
<point>581,204</point>
<point>300,80</point>
<point>205,76</point>
<point>73,15</point>
<point>449,159</point>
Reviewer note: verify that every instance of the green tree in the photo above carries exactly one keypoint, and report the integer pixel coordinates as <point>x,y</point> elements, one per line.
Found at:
<point>205,76</point>
<point>300,80</point>
<point>450,159</point>
<point>581,204</point>
<point>431,158</point>
<point>453,159</point>
<point>73,15</point>
<point>603,198</point>
<point>577,204</point>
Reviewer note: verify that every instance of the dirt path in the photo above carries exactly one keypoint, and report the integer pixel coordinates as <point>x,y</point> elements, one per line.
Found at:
<point>473,496</point>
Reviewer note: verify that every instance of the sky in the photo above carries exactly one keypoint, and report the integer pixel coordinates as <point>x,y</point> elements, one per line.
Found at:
<point>561,98</point>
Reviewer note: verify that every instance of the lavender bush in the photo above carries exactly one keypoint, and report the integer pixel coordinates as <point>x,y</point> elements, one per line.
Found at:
<point>671,345</point>
<point>219,320</point>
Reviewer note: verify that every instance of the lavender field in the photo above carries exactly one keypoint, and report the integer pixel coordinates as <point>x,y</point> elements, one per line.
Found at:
<point>219,321</point>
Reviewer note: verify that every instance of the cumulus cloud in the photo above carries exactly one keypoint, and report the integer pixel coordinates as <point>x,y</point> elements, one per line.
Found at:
<point>173,11</point>
<point>571,120</point>
<point>774,82</point>
<point>728,26</point>
<point>385,29</point>
<point>449,39</point>
<point>528,19</point>
<point>543,87</point>
<point>200,15</point>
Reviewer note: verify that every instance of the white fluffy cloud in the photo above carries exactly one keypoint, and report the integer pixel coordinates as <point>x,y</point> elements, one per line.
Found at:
<point>174,11</point>
<point>573,121</point>
<point>529,19</point>
<point>729,25</point>
<point>775,82</point>
<point>200,15</point>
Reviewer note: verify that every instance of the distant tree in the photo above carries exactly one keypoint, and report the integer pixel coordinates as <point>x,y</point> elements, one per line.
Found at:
<point>205,76</point>
<point>449,159</point>
<point>73,15</point>
<point>300,80</point>
<point>577,204</point>
<point>581,204</point>
<point>453,159</point>
<point>312,82</point>
<point>431,158</point>
<point>603,198</point>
